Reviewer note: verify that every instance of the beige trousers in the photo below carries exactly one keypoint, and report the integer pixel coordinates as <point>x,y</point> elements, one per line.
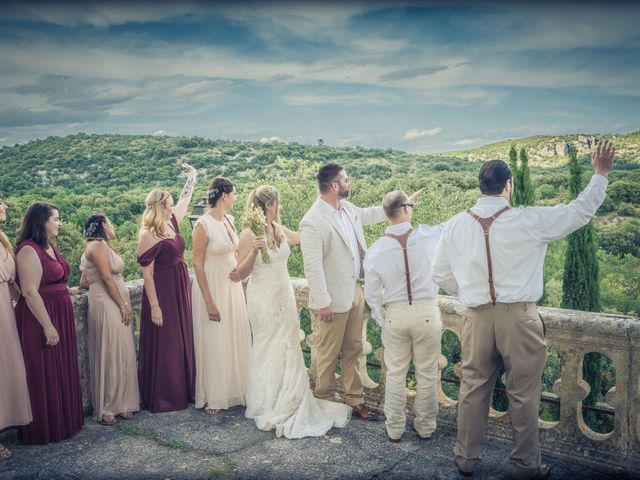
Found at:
<point>411,332</point>
<point>342,336</point>
<point>492,336</point>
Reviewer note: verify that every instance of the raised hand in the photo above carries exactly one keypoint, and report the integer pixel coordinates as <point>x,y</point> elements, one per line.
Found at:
<point>189,170</point>
<point>414,197</point>
<point>602,158</point>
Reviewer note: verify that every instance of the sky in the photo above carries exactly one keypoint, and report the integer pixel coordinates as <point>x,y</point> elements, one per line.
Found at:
<point>415,76</point>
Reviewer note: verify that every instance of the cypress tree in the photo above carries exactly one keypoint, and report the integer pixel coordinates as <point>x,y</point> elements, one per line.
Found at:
<point>525,187</point>
<point>513,165</point>
<point>580,285</point>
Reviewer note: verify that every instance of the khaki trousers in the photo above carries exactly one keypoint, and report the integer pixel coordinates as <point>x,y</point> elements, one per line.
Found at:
<point>411,332</point>
<point>492,336</point>
<point>342,336</point>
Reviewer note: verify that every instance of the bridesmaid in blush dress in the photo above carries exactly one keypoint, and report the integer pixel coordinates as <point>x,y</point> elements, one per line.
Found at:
<point>166,366</point>
<point>112,355</point>
<point>47,330</point>
<point>15,408</point>
<point>221,327</point>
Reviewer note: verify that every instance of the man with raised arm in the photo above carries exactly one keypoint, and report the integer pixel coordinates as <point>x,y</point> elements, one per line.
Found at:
<point>402,296</point>
<point>492,257</point>
<point>333,245</point>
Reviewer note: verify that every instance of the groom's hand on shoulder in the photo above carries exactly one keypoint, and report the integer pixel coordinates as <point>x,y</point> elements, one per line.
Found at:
<point>326,314</point>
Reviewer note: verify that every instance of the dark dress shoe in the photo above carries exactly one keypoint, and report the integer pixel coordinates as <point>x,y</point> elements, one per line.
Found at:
<point>544,471</point>
<point>463,472</point>
<point>364,413</point>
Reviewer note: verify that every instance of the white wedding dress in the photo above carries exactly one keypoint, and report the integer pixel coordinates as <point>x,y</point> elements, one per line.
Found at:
<point>278,395</point>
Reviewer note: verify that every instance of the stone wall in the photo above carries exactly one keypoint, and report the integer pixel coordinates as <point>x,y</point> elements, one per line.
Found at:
<point>571,333</point>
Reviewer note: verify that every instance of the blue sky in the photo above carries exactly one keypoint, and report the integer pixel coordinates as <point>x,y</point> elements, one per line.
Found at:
<point>416,76</point>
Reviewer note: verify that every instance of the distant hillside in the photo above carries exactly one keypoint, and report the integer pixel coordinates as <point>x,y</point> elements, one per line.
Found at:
<point>549,151</point>
<point>104,162</point>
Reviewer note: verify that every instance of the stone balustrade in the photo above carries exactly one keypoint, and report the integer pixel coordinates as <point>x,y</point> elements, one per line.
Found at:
<point>572,334</point>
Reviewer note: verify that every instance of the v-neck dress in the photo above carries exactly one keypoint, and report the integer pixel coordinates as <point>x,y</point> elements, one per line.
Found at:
<point>52,372</point>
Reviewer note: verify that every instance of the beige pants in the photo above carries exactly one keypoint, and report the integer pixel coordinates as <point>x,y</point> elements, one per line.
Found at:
<point>492,336</point>
<point>411,332</point>
<point>342,336</point>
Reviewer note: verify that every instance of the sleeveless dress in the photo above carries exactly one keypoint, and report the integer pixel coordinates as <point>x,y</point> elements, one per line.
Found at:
<point>279,396</point>
<point>222,348</point>
<point>112,355</point>
<point>166,365</point>
<point>52,372</point>
<point>15,408</point>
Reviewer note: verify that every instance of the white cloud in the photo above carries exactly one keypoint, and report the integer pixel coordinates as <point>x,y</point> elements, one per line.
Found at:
<point>159,133</point>
<point>414,133</point>
<point>265,140</point>
<point>467,141</point>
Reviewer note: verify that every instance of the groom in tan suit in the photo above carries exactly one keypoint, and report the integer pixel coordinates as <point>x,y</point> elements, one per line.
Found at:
<point>333,246</point>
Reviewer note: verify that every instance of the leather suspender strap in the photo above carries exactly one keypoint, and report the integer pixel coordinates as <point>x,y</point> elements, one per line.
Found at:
<point>402,240</point>
<point>485,223</point>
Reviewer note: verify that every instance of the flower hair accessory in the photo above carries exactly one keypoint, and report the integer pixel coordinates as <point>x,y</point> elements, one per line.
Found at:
<point>91,230</point>
<point>213,192</point>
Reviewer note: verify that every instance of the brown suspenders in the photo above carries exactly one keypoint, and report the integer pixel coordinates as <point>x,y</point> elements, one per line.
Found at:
<point>485,223</point>
<point>402,240</point>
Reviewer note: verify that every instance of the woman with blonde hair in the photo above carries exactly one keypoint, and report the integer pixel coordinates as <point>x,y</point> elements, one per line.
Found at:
<point>166,366</point>
<point>112,355</point>
<point>221,329</point>
<point>15,408</point>
<point>279,396</point>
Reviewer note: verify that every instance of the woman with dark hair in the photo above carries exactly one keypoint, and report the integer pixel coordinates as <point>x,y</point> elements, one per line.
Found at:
<point>47,330</point>
<point>14,394</point>
<point>166,366</point>
<point>222,335</point>
<point>112,355</point>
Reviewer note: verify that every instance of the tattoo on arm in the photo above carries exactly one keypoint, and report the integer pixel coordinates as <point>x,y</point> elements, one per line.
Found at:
<point>187,191</point>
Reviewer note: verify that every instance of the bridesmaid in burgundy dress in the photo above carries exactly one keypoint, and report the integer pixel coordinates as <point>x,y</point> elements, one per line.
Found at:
<point>166,364</point>
<point>47,330</point>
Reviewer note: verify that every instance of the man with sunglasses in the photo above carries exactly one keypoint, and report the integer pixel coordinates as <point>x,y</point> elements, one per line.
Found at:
<point>491,257</point>
<point>402,296</point>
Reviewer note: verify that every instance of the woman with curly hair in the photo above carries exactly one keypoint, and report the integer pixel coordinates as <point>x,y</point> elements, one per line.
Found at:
<point>112,355</point>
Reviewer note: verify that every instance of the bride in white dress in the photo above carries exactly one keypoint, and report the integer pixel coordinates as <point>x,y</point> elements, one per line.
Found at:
<point>278,395</point>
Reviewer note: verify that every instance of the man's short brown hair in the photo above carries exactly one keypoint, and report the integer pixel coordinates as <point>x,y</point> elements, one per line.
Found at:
<point>393,202</point>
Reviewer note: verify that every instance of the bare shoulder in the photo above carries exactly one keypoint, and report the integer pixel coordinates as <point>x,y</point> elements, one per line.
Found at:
<point>146,241</point>
<point>27,253</point>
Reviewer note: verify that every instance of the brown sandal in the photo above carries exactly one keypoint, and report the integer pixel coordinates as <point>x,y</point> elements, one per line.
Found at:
<point>108,420</point>
<point>126,415</point>
<point>5,452</point>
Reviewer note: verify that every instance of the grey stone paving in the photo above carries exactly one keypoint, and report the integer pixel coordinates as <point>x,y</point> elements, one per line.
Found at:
<point>191,444</point>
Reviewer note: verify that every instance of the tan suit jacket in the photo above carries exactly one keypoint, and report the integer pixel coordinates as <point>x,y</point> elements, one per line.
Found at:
<point>328,262</point>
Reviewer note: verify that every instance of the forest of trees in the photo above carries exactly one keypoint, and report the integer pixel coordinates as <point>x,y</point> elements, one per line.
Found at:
<point>85,174</point>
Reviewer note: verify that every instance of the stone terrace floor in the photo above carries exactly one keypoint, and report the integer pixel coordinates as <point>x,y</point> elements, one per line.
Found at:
<point>192,444</point>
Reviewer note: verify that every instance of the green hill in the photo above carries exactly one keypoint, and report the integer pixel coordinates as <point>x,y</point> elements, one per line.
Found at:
<point>551,151</point>
<point>85,174</point>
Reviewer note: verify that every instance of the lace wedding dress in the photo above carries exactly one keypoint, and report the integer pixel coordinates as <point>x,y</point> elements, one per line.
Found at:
<point>278,394</point>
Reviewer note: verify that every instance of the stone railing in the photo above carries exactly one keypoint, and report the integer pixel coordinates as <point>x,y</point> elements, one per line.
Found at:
<point>571,333</point>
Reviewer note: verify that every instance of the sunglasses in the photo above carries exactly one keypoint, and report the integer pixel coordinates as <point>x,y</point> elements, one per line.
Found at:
<point>407,205</point>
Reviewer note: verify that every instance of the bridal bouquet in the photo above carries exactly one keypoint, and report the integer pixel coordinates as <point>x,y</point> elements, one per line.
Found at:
<point>255,221</point>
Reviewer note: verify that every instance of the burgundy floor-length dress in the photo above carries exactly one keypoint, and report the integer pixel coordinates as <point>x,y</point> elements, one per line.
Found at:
<point>53,377</point>
<point>166,364</point>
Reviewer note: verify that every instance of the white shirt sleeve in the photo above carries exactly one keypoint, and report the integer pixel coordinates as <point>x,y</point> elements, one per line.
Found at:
<point>554,223</point>
<point>441,269</point>
<point>373,290</point>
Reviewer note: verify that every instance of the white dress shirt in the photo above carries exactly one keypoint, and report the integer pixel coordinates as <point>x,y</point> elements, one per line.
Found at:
<point>518,240</point>
<point>385,280</point>
<point>347,227</point>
